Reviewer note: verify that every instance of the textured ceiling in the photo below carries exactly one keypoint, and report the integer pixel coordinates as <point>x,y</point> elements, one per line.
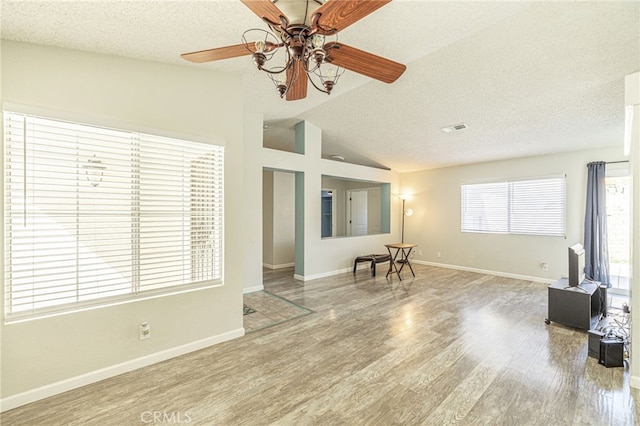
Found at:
<point>526,78</point>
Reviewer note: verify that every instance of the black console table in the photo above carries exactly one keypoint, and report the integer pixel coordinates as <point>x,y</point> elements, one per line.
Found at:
<point>578,307</point>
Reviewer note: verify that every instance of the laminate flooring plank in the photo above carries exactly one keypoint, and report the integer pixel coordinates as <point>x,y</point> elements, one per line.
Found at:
<point>492,406</point>
<point>455,408</point>
<point>392,406</point>
<point>528,396</point>
<point>437,381</point>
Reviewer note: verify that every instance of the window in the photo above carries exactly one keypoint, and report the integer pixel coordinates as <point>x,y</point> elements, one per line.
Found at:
<point>94,215</point>
<point>533,207</point>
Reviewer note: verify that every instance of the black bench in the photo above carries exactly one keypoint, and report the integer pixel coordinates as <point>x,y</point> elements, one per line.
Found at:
<point>373,258</point>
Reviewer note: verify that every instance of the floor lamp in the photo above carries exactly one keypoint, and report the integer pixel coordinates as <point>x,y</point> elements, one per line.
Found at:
<point>407,212</point>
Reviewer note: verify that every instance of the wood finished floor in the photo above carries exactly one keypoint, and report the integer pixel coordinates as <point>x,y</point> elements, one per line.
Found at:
<point>446,347</point>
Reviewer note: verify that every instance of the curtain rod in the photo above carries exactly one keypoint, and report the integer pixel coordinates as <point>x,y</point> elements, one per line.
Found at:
<point>615,162</point>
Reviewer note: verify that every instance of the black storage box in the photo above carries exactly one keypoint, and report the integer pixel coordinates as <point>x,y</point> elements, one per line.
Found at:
<point>611,353</point>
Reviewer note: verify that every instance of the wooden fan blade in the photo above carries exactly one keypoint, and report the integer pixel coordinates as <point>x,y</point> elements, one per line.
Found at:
<point>339,14</point>
<point>216,54</point>
<point>266,10</point>
<point>363,62</point>
<point>224,52</point>
<point>297,89</point>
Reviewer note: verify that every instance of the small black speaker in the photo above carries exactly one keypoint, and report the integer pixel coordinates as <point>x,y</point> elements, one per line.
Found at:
<point>594,343</point>
<point>611,353</point>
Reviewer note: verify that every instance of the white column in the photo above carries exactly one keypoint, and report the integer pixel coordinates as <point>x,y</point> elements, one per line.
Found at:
<point>632,101</point>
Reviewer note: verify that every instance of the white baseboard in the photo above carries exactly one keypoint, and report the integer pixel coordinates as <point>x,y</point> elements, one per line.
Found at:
<point>485,271</point>
<point>252,289</point>
<point>282,266</point>
<point>112,371</point>
<point>634,382</point>
<point>439,265</point>
<point>322,275</point>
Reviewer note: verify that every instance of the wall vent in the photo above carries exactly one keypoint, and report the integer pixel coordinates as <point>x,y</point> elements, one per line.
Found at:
<point>454,128</point>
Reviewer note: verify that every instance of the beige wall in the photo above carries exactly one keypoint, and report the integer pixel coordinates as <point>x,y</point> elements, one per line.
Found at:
<point>435,224</point>
<point>48,355</point>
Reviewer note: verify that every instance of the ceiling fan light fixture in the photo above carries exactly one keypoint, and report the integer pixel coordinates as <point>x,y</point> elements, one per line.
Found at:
<point>328,74</point>
<point>280,81</point>
<point>303,52</point>
<point>262,44</point>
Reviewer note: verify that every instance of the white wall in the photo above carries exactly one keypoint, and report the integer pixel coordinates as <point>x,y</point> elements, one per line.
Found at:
<point>267,217</point>
<point>252,212</point>
<point>48,355</point>
<point>632,100</point>
<point>435,224</point>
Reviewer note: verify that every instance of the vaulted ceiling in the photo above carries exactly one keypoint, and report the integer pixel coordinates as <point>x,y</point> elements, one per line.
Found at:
<point>527,78</point>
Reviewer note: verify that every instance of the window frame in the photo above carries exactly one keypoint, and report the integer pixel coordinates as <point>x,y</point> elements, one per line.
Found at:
<point>510,225</point>
<point>132,295</point>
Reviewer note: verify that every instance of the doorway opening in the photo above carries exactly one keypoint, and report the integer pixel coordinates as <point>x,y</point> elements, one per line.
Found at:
<point>278,226</point>
<point>328,214</point>
<point>618,186</point>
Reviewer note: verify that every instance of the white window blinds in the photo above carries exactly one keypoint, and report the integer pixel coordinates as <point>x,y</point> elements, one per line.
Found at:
<point>484,207</point>
<point>93,214</point>
<point>533,206</point>
<point>537,206</point>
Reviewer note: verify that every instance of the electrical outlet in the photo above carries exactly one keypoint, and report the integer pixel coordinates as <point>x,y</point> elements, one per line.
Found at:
<point>439,254</point>
<point>145,330</point>
<point>419,252</point>
<point>544,266</point>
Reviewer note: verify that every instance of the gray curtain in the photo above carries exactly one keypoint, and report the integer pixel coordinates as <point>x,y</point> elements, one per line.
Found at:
<point>595,225</point>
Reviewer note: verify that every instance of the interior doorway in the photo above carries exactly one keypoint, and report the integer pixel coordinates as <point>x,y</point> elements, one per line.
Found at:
<point>278,219</point>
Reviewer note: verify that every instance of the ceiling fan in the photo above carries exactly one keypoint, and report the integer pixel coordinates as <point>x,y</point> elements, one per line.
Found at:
<point>302,45</point>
